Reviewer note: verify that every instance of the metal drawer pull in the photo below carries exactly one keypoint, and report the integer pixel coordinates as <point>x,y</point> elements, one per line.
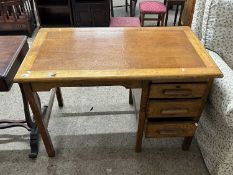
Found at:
<point>184,92</point>
<point>174,111</point>
<point>166,132</point>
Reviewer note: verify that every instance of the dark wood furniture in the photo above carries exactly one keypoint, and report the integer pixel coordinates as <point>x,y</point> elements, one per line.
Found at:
<point>177,3</point>
<point>17,16</point>
<point>12,52</point>
<point>54,12</point>
<point>187,16</point>
<point>91,13</point>
<point>174,80</point>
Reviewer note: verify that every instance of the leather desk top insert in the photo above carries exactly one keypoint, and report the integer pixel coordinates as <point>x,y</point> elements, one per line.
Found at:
<point>169,65</point>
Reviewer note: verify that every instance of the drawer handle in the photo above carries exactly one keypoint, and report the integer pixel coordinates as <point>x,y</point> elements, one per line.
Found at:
<point>174,111</point>
<point>184,92</point>
<point>168,132</point>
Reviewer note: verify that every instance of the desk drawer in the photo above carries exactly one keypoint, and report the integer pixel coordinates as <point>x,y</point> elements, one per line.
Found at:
<point>174,108</point>
<point>173,129</point>
<point>178,90</point>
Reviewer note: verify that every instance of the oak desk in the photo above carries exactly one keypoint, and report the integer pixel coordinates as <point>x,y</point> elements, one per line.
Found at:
<point>169,65</point>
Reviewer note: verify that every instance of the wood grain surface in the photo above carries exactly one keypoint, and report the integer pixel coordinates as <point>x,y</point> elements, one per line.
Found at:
<point>116,53</point>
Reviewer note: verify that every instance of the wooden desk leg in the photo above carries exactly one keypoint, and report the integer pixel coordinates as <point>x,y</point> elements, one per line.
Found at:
<point>59,97</point>
<point>142,115</point>
<point>186,143</point>
<point>130,97</point>
<point>36,110</point>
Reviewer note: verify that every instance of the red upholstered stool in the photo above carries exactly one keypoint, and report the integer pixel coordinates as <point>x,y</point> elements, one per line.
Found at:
<point>152,7</point>
<point>125,22</point>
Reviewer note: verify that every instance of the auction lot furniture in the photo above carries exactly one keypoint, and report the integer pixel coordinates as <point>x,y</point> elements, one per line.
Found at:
<point>169,65</point>
<point>54,12</point>
<point>17,16</point>
<point>80,13</point>
<point>12,52</point>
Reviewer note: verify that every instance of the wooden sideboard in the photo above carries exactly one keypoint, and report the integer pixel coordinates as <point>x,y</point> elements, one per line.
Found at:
<point>187,16</point>
<point>79,13</point>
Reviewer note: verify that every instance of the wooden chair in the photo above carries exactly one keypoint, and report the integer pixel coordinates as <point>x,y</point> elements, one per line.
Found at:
<point>17,15</point>
<point>177,3</point>
<point>152,7</point>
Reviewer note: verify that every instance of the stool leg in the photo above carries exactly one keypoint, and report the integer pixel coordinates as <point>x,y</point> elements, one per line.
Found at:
<point>162,20</point>
<point>159,18</point>
<point>126,5</point>
<point>177,8</point>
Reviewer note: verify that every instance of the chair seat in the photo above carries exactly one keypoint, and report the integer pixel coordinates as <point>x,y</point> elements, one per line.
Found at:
<point>125,22</point>
<point>152,7</point>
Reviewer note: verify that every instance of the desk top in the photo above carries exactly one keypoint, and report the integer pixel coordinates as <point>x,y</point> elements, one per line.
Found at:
<point>67,54</point>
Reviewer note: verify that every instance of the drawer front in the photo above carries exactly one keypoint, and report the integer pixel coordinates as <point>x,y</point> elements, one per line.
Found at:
<point>174,108</point>
<point>178,90</point>
<point>160,129</point>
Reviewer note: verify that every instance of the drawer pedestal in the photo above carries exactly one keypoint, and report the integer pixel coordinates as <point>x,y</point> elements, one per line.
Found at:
<point>173,109</point>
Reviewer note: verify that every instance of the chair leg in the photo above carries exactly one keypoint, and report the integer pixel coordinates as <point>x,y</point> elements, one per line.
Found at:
<point>181,12</point>
<point>142,19</point>
<point>111,8</point>
<point>167,12</point>
<point>159,18</point>
<point>177,9</point>
<point>126,5</point>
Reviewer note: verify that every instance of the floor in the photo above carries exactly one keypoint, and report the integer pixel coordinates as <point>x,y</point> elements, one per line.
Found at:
<point>94,133</point>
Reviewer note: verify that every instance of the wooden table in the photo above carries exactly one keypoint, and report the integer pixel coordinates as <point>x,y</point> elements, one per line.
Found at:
<point>169,65</point>
<point>12,52</point>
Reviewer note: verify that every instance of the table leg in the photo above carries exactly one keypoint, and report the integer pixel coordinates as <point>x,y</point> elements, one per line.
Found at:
<point>186,143</point>
<point>142,115</point>
<point>36,110</point>
<point>59,97</point>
